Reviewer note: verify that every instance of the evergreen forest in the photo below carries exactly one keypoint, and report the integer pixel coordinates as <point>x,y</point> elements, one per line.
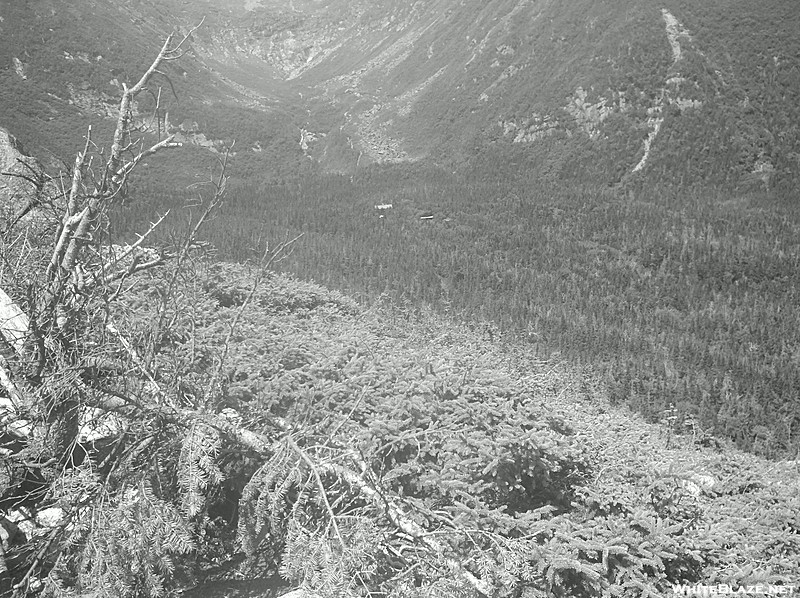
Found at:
<point>676,298</point>
<point>379,299</point>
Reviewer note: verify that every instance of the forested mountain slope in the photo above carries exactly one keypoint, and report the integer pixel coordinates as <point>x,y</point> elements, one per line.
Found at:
<point>601,92</point>
<point>615,181</point>
<point>406,455</point>
<point>170,418</point>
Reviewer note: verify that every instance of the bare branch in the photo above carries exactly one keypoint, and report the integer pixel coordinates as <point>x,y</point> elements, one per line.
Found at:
<point>20,175</point>
<point>134,246</point>
<point>77,173</point>
<point>323,493</point>
<point>165,50</point>
<point>405,523</point>
<point>114,166</point>
<point>213,205</point>
<point>175,53</point>
<point>119,177</point>
<point>171,86</point>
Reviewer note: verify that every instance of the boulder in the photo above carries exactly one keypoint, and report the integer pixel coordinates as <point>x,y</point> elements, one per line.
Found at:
<point>18,195</point>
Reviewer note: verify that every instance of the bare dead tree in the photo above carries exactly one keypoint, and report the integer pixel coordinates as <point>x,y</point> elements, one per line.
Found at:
<point>62,356</point>
<point>54,313</point>
<point>45,333</point>
<point>54,293</point>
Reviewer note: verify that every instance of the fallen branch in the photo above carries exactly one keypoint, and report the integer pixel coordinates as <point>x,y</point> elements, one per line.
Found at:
<point>407,525</point>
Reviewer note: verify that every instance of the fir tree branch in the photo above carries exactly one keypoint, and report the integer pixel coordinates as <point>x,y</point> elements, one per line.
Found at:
<point>408,526</point>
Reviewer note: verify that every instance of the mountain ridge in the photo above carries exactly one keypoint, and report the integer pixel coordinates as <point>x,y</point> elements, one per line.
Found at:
<point>584,91</point>
<point>579,293</point>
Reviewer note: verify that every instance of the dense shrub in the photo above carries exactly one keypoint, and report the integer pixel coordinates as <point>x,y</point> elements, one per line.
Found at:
<point>383,415</point>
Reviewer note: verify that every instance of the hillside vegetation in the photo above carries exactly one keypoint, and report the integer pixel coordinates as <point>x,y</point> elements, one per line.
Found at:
<point>172,418</point>
<point>673,296</point>
<point>607,93</point>
<point>521,470</point>
<point>411,457</point>
<point>615,183</point>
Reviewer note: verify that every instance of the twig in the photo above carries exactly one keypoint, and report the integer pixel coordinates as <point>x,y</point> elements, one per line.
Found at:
<point>266,261</point>
<point>323,492</point>
<point>408,526</point>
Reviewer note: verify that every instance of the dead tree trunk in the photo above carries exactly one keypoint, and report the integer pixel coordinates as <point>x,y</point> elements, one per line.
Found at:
<point>43,321</point>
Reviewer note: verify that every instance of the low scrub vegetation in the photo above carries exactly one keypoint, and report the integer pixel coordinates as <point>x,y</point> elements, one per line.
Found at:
<point>674,296</point>
<point>170,419</point>
<point>407,456</point>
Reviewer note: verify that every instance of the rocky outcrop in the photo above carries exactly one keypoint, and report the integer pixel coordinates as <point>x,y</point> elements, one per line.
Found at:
<point>19,68</point>
<point>11,152</point>
<point>16,192</point>
<point>607,87</point>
